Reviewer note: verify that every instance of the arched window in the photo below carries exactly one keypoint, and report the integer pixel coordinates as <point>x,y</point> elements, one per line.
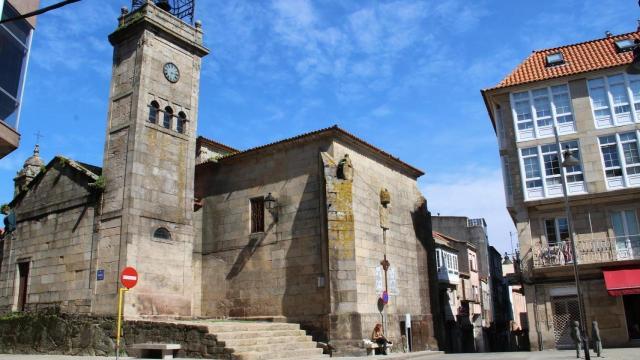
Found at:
<point>154,108</point>
<point>162,233</point>
<point>182,119</point>
<point>168,114</point>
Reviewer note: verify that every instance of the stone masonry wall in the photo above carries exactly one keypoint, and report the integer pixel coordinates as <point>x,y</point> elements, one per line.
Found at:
<point>54,235</point>
<point>281,271</point>
<point>405,251</point>
<point>53,333</point>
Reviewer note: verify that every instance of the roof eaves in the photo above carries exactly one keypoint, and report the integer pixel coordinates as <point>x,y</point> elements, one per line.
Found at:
<point>218,144</point>
<point>314,134</point>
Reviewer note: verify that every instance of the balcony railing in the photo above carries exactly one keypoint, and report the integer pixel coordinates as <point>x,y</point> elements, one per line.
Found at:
<point>589,251</point>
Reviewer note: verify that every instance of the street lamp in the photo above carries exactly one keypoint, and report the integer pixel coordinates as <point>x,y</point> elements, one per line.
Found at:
<point>270,202</point>
<point>568,160</point>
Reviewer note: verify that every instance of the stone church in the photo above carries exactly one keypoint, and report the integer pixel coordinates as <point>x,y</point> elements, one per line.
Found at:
<point>316,229</point>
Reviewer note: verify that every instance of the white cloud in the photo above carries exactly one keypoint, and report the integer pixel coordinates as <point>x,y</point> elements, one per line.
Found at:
<point>475,193</point>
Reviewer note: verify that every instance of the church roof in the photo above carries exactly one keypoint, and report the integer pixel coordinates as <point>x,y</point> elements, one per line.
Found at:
<point>330,131</point>
<point>203,140</point>
<point>90,171</point>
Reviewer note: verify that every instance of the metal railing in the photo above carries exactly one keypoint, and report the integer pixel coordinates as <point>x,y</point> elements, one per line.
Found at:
<point>589,251</point>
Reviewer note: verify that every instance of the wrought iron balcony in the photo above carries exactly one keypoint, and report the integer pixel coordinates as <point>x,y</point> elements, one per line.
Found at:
<point>590,251</point>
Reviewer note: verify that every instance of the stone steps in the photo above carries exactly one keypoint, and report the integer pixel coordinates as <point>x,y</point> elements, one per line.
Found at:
<point>255,340</point>
<point>255,334</point>
<point>264,340</point>
<point>284,354</point>
<point>219,327</point>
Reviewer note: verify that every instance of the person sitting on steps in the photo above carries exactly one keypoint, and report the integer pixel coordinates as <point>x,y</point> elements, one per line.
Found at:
<point>378,337</point>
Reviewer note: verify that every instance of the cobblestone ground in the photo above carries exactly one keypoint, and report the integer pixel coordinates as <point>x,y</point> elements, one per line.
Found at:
<point>609,354</point>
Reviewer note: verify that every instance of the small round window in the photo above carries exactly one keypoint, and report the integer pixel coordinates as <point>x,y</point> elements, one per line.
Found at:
<point>162,233</point>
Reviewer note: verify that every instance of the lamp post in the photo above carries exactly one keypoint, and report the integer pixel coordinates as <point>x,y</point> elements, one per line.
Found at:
<point>568,160</point>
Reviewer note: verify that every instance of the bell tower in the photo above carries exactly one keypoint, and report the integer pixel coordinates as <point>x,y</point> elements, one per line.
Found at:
<point>146,219</point>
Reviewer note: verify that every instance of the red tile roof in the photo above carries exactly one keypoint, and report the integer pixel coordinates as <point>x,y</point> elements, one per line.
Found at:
<point>579,58</point>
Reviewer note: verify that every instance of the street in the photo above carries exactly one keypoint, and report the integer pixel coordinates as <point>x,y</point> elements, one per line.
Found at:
<point>615,354</point>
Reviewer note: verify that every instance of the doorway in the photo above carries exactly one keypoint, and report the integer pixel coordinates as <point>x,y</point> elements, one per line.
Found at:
<point>565,312</point>
<point>23,278</point>
<point>632,313</point>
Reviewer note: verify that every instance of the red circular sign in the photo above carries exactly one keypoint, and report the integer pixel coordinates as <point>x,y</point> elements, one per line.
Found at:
<point>129,277</point>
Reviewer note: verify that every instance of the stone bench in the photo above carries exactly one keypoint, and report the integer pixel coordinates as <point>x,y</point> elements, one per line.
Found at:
<point>371,346</point>
<point>167,351</point>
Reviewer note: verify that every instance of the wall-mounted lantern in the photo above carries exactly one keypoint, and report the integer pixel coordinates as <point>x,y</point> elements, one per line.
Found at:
<point>271,204</point>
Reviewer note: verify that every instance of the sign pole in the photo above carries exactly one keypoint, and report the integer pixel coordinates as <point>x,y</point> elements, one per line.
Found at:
<point>121,292</point>
<point>128,279</point>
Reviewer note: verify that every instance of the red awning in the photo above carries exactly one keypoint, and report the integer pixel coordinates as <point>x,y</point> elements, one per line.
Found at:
<point>622,281</point>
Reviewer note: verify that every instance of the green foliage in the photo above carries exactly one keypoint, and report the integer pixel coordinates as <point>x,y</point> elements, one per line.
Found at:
<point>99,184</point>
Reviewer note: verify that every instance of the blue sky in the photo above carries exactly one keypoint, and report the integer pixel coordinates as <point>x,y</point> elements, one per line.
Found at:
<point>403,75</point>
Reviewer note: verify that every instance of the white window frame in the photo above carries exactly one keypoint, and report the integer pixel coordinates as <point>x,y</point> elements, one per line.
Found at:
<point>537,131</point>
<point>616,119</point>
<point>625,180</point>
<point>547,190</point>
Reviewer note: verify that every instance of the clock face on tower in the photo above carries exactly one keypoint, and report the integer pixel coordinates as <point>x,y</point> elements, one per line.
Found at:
<point>171,72</point>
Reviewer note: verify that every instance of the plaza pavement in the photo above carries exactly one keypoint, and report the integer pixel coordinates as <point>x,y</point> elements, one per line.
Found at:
<point>609,354</point>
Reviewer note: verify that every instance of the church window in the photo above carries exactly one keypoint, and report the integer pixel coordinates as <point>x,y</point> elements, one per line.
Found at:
<point>257,215</point>
<point>182,119</point>
<point>168,114</point>
<point>154,109</point>
<point>162,233</point>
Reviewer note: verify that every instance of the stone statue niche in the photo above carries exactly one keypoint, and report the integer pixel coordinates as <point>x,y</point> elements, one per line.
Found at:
<point>345,168</point>
<point>385,200</point>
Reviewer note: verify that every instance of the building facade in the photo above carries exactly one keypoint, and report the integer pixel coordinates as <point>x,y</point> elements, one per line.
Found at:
<point>460,291</point>
<point>474,261</point>
<point>314,229</point>
<point>583,92</point>
<point>15,37</point>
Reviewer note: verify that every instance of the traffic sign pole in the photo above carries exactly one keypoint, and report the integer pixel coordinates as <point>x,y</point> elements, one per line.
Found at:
<point>121,292</point>
<point>129,279</point>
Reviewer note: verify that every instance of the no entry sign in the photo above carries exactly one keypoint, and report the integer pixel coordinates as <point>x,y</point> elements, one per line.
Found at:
<point>129,277</point>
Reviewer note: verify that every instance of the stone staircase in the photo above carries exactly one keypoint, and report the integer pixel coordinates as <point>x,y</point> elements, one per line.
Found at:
<point>252,340</point>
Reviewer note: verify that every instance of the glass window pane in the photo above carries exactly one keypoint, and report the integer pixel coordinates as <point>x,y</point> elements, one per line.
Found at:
<point>596,82</point>
<point>551,165</point>
<point>19,28</point>
<point>599,97</point>
<point>559,89</point>
<point>12,55</point>
<point>632,222</point>
<point>561,103</point>
<point>619,94</point>
<point>615,79</point>
<point>550,228</point>
<point>610,156</point>
<point>635,90</point>
<point>631,153</point>
<point>523,110</point>
<point>8,107</point>
<point>543,107</point>
<point>563,229</point>
<point>531,167</point>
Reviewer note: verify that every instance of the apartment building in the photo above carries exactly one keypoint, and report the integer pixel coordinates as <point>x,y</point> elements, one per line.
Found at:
<point>583,92</point>
<point>459,291</point>
<point>15,41</point>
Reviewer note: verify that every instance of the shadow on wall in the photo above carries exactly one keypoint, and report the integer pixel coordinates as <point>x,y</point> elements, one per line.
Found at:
<point>305,298</point>
<point>247,252</point>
